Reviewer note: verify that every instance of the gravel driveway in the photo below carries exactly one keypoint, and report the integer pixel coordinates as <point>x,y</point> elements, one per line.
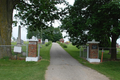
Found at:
<point>64,67</point>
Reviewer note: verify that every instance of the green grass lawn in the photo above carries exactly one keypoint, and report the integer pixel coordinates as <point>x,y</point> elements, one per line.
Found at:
<point>21,70</point>
<point>109,68</point>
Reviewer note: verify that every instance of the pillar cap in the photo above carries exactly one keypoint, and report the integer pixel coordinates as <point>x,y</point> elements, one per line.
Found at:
<point>93,41</point>
<point>33,39</point>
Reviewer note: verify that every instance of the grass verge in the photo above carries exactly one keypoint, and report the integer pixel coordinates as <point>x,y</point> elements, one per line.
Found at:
<point>109,68</point>
<point>62,44</point>
<point>21,70</point>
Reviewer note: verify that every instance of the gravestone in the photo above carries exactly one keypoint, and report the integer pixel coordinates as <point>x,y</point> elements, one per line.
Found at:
<point>43,42</point>
<point>46,40</point>
<point>23,53</point>
<point>17,49</point>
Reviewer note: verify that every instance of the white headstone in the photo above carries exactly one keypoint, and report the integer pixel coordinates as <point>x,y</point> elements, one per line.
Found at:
<point>46,40</point>
<point>17,49</point>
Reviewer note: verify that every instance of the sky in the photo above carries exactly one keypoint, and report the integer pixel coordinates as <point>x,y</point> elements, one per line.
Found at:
<point>56,24</point>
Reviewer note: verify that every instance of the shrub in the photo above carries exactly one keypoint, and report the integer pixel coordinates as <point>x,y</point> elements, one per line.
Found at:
<point>62,44</point>
<point>50,42</point>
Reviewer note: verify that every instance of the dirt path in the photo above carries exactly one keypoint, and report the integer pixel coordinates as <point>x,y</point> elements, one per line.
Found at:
<point>64,67</point>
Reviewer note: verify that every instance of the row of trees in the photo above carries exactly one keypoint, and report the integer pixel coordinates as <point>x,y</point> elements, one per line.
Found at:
<point>52,34</point>
<point>93,19</point>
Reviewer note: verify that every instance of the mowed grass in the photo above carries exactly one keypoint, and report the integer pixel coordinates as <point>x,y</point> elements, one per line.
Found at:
<point>109,68</point>
<point>21,70</point>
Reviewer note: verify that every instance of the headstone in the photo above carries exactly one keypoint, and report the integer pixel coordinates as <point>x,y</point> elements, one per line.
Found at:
<point>43,42</point>
<point>46,40</point>
<point>17,49</point>
<point>23,54</point>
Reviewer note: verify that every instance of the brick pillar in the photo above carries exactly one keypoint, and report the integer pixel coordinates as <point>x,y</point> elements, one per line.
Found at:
<point>32,50</point>
<point>93,50</point>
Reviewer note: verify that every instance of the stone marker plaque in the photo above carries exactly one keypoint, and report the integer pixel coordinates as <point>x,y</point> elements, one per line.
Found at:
<point>94,46</point>
<point>17,49</point>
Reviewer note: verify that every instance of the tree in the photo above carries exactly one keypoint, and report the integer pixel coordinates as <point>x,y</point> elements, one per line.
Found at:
<point>13,38</point>
<point>57,35</point>
<point>6,11</point>
<point>35,13</point>
<point>74,23</point>
<point>52,34</point>
<point>93,19</point>
<point>108,24</point>
<point>38,14</point>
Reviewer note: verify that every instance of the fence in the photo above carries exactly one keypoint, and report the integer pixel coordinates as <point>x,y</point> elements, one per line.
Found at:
<point>106,52</point>
<point>8,51</point>
<point>83,51</point>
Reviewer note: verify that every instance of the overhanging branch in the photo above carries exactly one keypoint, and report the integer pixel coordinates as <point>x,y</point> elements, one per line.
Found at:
<point>16,2</point>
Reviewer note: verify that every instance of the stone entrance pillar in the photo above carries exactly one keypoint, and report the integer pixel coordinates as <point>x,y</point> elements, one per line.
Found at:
<point>92,52</point>
<point>32,50</point>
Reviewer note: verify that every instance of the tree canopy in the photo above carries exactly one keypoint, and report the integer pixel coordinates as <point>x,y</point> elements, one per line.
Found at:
<point>52,34</point>
<point>93,19</point>
<point>38,14</point>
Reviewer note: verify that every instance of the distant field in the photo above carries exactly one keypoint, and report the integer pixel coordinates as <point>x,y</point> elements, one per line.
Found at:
<point>109,68</point>
<point>14,43</point>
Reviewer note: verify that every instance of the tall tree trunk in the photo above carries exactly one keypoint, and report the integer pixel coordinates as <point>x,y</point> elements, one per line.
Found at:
<point>6,12</point>
<point>113,47</point>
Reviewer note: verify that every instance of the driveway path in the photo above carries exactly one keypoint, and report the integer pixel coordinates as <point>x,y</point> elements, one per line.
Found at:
<point>64,67</point>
